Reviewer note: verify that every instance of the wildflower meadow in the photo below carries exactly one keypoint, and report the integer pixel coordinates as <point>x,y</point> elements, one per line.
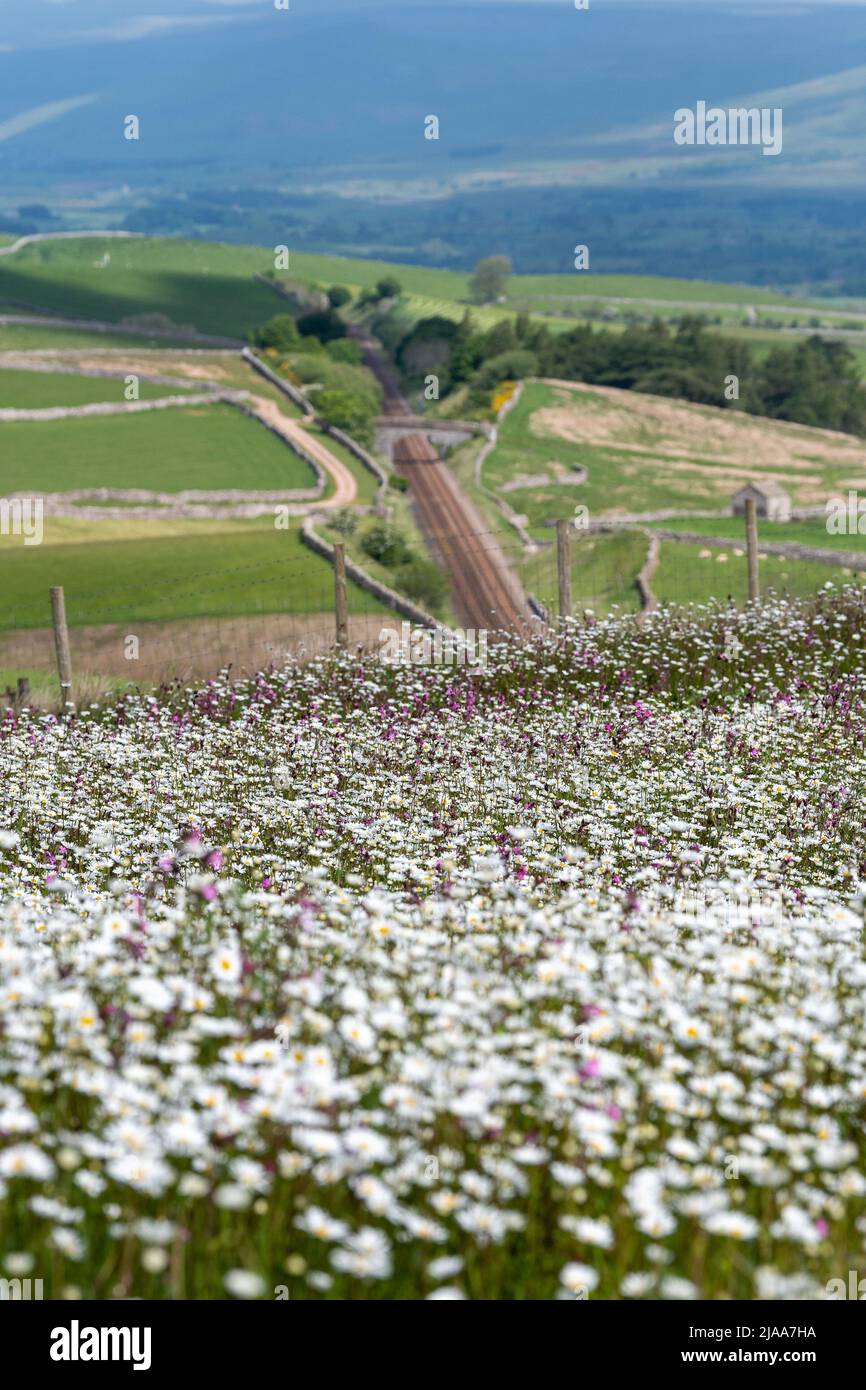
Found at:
<point>360,980</point>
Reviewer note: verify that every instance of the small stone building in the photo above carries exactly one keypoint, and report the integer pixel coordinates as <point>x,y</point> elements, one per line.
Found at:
<point>771,500</point>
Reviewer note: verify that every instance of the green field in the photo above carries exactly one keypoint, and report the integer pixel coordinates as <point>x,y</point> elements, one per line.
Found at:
<point>687,575</point>
<point>197,284</point>
<point>771,318</point>
<point>19,337</point>
<point>153,274</point>
<point>413,307</point>
<point>37,390</point>
<point>603,573</point>
<point>604,569</point>
<point>813,532</point>
<point>245,568</point>
<point>591,286</point>
<point>208,447</point>
<point>640,455</point>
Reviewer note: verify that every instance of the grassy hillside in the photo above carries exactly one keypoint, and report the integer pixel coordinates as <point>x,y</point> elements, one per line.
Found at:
<point>649,287</point>
<point>645,453</point>
<point>209,447</point>
<point>211,286</point>
<point>198,284</point>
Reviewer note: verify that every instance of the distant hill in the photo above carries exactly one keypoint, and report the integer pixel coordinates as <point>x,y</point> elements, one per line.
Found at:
<point>212,288</point>
<point>307,126</point>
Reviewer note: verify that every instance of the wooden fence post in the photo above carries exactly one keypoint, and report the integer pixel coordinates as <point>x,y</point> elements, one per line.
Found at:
<point>563,568</point>
<point>61,646</point>
<point>341,607</point>
<point>752,549</point>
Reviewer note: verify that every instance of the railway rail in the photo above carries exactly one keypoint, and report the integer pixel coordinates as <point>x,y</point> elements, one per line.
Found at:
<point>486,595</point>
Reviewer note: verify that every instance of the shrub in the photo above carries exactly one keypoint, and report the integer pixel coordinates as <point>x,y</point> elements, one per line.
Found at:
<point>350,411</point>
<point>421,580</point>
<point>345,350</point>
<point>345,522</point>
<point>280,333</point>
<point>385,545</point>
<point>508,366</point>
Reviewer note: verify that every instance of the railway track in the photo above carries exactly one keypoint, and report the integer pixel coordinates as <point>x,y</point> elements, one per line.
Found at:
<point>482,590</point>
<point>486,595</point>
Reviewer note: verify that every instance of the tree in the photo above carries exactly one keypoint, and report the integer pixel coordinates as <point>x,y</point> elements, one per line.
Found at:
<point>323,324</point>
<point>388,287</point>
<point>490,278</point>
<point>280,333</point>
<point>498,339</point>
<point>465,355</point>
<point>814,383</point>
<point>350,411</point>
<point>345,522</point>
<point>683,383</point>
<point>428,346</point>
<point>338,295</point>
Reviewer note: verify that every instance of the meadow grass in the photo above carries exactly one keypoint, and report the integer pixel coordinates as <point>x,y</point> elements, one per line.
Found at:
<point>16,337</point>
<point>207,447</point>
<point>617,480</point>
<point>686,574</point>
<point>812,532</point>
<point>243,568</point>
<point>603,573</point>
<point>26,390</point>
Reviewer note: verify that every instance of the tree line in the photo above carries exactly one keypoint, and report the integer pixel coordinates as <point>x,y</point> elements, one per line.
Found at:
<point>812,382</point>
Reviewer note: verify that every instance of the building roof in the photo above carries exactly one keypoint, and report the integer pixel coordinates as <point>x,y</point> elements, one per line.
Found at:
<point>766,487</point>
